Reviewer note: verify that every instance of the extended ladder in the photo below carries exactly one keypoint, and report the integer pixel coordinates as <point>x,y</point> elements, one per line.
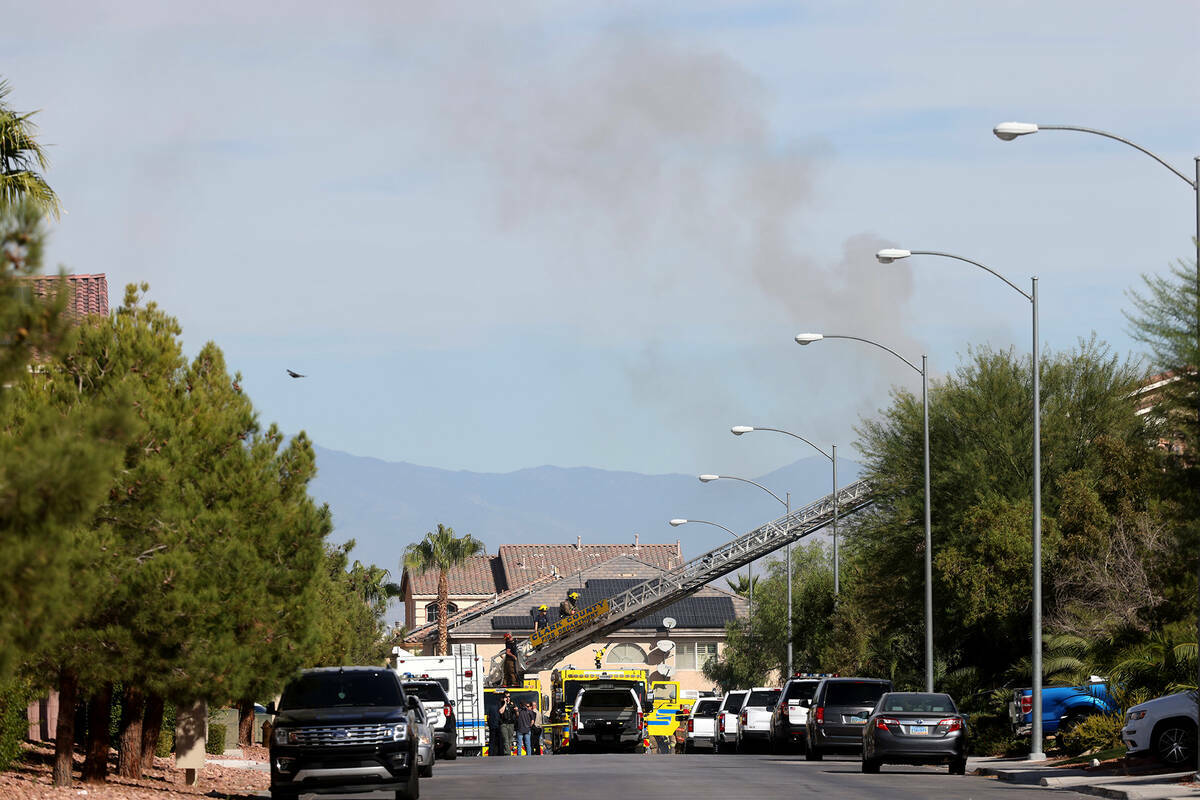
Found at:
<point>675,584</point>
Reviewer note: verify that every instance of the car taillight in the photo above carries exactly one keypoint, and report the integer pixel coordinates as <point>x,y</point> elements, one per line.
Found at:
<point>1026,703</point>
<point>783,711</point>
<point>949,725</point>
<point>819,714</point>
<point>575,721</point>
<point>743,717</point>
<point>641,721</point>
<point>691,726</point>
<point>446,711</point>
<point>883,722</point>
<point>721,722</point>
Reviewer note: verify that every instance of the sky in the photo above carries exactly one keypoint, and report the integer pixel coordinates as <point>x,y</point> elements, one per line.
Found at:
<point>502,235</point>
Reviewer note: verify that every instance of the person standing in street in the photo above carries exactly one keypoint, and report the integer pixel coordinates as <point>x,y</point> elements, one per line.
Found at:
<point>508,722</point>
<point>495,738</point>
<point>525,717</point>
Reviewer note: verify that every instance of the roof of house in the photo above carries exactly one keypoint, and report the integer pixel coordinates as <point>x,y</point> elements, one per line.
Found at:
<point>524,562</point>
<point>474,577</point>
<point>89,293</point>
<point>697,611</point>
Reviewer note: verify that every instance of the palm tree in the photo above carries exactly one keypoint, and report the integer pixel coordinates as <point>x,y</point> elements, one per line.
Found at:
<point>373,585</point>
<point>20,158</point>
<point>441,550</point>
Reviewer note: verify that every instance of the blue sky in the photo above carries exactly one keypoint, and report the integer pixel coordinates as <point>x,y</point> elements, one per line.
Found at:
<point>503,235</point>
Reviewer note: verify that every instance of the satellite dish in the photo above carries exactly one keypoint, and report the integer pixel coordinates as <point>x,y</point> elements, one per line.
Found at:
<point>666,645</point>
<point>665,670</point>
<point>669,622</point>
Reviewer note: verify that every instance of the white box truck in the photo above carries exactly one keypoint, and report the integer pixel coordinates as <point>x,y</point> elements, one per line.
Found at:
<point>460,674</point>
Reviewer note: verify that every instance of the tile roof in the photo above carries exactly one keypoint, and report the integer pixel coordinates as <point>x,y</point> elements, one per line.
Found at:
<point>524,562</point>
<point>475,577</point>
<point>701,610</point>
<point>89,293</point>
<point>497,602</point>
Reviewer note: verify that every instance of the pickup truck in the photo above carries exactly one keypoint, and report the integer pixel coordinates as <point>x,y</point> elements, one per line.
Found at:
<point>1062,707</point>
<point>609,719</point>
<point>702,724</point>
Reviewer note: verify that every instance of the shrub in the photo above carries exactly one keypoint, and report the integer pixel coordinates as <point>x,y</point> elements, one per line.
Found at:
<point>215,744</point>
<point>1094,733</point>
<point>166,739</point>
<point>991,735</point>
<point>14,697</point>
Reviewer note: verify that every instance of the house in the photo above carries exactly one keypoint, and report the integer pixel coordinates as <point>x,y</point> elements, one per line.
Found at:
<point>527,576</point>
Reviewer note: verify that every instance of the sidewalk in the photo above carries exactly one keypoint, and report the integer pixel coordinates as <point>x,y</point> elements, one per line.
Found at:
<point>1123,787</point>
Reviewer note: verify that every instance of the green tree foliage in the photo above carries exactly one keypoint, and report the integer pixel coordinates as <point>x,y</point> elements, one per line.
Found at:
<point>441,550</point>
<point>21,156</point>
<point>351,631</point>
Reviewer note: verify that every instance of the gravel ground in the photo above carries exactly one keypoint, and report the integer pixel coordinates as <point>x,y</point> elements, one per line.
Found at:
<point>30,779</point>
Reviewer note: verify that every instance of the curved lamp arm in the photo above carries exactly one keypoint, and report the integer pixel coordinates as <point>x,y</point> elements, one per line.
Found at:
<point>984,267</point>
<point>675,523</point>
<point>915,368</point>
<point>1008,131</point>
<point>708,478</point>
<point>738,430</point>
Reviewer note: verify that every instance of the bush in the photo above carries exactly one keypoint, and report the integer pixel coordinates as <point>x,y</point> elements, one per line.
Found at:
<point>14,697</point>
<point>215,744</point>
<point>992,735</point>
<point>1094,733</point>
<point>166,739</point>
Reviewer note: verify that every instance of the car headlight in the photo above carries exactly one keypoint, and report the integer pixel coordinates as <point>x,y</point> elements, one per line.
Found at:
<point>399,732</point>
<point>1135,715</point>
<point>285,736</point>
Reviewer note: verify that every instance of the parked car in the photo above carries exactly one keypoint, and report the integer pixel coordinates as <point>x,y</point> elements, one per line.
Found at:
<point>1063,707</point>
<point>440,710</point>
<point>727,721</point>
<point>608,719</point>
<point>1166,727</point>
<point>915,728</point>
<point>788,720</point>
<point>754,718</point>
<point>344,729</point>
<point>840,707</point>
<point>702,725</point>
<point>426,752</point>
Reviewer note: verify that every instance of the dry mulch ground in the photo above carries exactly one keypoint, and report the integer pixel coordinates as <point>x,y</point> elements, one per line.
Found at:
<point>31,779</point>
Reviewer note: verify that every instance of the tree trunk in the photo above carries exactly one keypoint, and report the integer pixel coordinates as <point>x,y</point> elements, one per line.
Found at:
<point>133,706</point>
<point>151,729</point>
<point>64,736</point>
<point>95,762</point>
<point>443,600</point>
<point>246,723</point>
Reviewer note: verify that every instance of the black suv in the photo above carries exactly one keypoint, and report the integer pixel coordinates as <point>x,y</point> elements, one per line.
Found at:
<point>440,710</point>
<point>344,729</point>
<point>837,713</point>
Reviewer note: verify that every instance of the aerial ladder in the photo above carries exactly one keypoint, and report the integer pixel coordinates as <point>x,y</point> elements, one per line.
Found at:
<point>546,648</point>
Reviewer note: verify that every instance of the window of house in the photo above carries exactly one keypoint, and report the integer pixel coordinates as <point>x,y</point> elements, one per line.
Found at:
<point>626,653</point>
<point>693,655</point>
<point>431,611</point>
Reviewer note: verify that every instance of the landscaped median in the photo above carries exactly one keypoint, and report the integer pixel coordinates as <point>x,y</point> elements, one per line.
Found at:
<point>30,779</point>
<point>1136,780</point>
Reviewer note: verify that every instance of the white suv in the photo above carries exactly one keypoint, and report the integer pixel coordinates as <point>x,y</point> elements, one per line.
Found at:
<point>727,722</point>
<point>754,719</point>
<point>1166,727</point>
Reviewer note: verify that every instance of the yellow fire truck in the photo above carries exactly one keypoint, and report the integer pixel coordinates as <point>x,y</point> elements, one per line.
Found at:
<point>530,692</point>
<point>661,699</point>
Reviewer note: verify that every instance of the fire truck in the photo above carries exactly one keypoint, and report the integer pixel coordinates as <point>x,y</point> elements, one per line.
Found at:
<point>661,700</point>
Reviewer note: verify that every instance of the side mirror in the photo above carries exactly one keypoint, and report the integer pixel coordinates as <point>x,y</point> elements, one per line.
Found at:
<point>271,709</point>
<point>452,702</point>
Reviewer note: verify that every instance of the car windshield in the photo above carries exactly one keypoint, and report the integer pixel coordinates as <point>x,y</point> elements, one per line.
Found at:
<point>801,690</point>
<point>706,708</point>
<point>332,689</point>
<point>763,698</point>
<point>607,698</point>
<point>426,691</point>
<point>854,693</point>
<point>917,702</point>
<point>734,700</point>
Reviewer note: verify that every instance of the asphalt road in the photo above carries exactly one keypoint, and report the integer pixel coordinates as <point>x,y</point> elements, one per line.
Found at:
<point>699,777</point>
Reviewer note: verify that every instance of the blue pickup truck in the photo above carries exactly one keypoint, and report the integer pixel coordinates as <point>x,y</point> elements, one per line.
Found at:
<point>1062,706</point>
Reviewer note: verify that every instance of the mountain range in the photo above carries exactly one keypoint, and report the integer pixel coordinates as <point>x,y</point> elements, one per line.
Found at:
<point>385,505</point>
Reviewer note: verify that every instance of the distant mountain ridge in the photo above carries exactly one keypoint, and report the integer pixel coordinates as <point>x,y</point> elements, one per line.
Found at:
<point>385,505</point>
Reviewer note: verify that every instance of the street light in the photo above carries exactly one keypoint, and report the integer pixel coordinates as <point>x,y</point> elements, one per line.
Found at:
<point>887,257</point>
<point>1007,131</point>
<point>787,510</point>
<point>923,371</point>
<point>675,523</point>
<point>738,430</point>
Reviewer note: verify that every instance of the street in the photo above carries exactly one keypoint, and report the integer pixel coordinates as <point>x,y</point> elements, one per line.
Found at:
<point>699,777</point>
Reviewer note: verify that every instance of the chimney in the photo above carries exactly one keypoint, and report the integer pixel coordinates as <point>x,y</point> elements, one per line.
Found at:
<point>635,542</point>
<point>579,543</point>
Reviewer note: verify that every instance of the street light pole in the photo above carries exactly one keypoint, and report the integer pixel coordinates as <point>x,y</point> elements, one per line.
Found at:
<point>1007,131</point>
<point>894,254</point>
<point>738,430</point>
<point>809,338</point>
<point>784,503</point>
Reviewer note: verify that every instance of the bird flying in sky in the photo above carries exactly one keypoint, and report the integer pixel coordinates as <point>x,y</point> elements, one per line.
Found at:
<point>295,374</point>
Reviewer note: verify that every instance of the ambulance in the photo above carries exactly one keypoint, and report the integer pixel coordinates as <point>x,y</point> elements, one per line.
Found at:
<point>460,674</point>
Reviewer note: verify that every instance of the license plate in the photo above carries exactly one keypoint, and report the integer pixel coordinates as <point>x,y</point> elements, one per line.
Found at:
<point>918,730</point>
<point>857,721</point>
